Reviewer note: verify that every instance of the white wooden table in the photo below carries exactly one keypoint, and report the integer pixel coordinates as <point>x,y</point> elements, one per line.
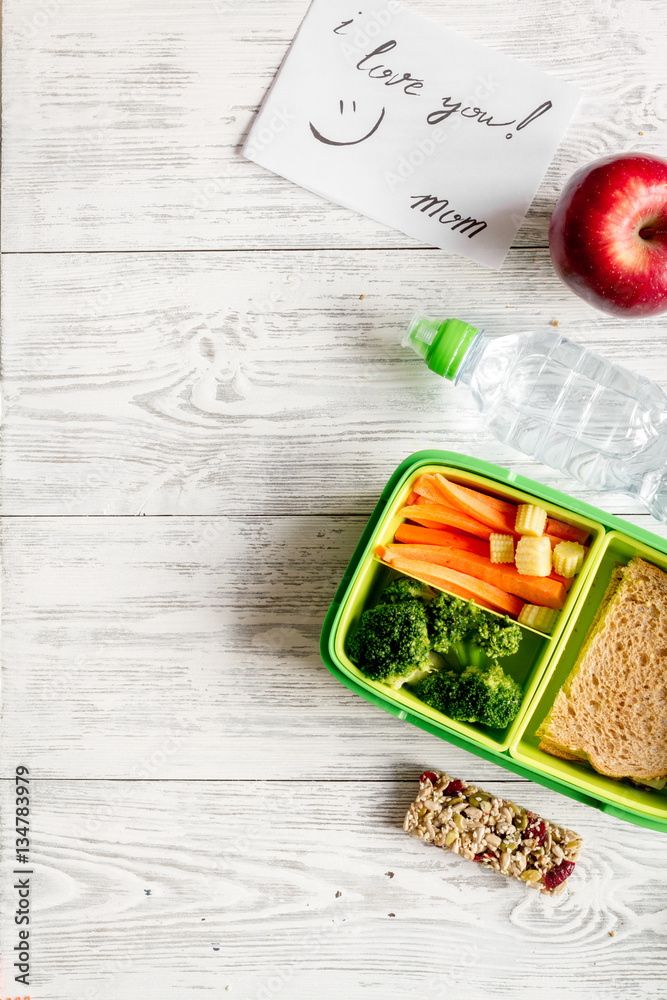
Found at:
<point>192,339</point>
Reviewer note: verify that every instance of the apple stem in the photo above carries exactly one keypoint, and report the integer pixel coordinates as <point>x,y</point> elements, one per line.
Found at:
<point>650,232</point>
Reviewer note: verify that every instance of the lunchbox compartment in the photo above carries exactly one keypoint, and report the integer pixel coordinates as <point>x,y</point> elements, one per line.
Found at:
<point>525,666</point>
<point>617,548</point>
<point>371,577</point>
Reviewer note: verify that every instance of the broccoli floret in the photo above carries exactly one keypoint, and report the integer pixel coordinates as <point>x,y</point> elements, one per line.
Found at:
<point>445,692</point>
<point>498,695</point>
<point>449,621</point>
<point>497,637</point>
<point>405,589</point>
<point>487,695</point>
<point>393,641</point>
<point>391,644</point>
<point>468,633</point>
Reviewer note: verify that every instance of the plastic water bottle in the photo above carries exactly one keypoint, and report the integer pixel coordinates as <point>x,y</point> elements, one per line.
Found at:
<point>558,402</point>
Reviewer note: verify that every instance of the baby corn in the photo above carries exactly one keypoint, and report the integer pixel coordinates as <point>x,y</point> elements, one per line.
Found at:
<point>501,548</point>
<point>568,557</point>
<point>533,556</point>
<point>530,520</point>
<point>542,619</point>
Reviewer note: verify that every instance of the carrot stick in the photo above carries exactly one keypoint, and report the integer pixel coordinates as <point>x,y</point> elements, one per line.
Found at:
<point>435,533</point>
<point>559,529</point>
<point>446,515</point>
<point>568,532</point>
<point>425,523</point>
<point>427,506</point>
<point>427,536</point>
<point>482,506</point>
<point>534,589</point>
<point>426,486</point>
<point>432,533</point>
<point>504,506</point>
<point>423,501</point>
<point>461,584</point>
<point>475,506</point>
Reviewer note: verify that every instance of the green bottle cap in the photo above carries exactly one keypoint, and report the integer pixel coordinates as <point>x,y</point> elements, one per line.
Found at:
<point>442,343</point>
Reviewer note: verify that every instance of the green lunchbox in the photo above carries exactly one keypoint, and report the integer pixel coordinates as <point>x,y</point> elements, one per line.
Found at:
<point>542,663</point>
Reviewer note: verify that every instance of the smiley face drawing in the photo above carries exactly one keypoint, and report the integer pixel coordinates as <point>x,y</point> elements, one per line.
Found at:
<point>347,142</point>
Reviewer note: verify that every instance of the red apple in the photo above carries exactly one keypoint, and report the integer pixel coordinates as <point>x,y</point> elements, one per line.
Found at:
<point>608,234</point>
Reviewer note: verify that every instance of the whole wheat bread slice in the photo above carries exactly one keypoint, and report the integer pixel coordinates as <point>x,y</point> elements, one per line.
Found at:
<point>612,709</point>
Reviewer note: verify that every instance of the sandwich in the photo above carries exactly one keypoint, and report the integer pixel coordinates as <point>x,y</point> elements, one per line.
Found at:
<point>612,709</point>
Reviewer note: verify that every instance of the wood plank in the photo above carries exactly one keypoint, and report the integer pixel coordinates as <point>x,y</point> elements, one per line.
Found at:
<point>154,889</point>
<point>123,123</point>
<point>255,383</point>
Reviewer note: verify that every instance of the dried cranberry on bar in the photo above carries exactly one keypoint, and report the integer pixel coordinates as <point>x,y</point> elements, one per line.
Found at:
<point>454,814</point>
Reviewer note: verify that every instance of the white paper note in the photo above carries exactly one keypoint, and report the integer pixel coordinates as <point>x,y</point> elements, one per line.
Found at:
<point>391,115</point>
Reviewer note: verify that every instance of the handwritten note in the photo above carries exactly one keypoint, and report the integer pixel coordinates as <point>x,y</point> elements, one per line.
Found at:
<point>389,114</point>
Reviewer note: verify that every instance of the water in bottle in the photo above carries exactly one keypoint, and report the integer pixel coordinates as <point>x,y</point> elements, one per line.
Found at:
<point>558,402</point>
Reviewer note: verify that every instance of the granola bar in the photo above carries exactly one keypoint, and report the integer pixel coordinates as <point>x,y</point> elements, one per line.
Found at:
<point>454,814</point>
